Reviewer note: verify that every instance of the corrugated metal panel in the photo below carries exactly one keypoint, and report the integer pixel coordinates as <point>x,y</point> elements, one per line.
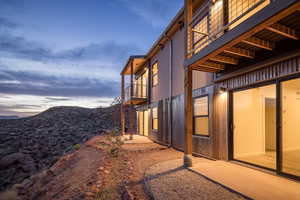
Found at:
<point>280,69</point>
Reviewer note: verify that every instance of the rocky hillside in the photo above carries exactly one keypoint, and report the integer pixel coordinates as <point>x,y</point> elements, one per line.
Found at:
<point>31,144</point>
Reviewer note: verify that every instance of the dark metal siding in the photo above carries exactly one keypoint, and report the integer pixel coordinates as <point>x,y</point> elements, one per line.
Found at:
<point>178,122</point>
<point>266,73</point>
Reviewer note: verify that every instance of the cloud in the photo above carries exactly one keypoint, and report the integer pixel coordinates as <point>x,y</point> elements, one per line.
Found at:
<point>43,85</point>
<point>155,12</point>
<point>58,99</point>
<point>23,48</point>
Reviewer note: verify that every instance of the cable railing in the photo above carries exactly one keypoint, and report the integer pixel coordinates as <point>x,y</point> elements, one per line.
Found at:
<point>138,91</point>
<point>213,19</point>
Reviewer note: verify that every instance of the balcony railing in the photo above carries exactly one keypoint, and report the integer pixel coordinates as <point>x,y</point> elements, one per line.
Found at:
<point>139,91</point>
<point>213,19</point>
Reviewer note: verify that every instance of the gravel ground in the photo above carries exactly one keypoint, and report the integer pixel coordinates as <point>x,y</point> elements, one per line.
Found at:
<point>170,181</point>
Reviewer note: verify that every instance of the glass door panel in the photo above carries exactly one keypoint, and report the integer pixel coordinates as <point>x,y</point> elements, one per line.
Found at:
<point>141,122</point>
<point>290,117</point>
<point>146,122</point>
<point>254,119</point>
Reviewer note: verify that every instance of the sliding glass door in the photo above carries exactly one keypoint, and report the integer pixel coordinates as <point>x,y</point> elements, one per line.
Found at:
<point>255,129</point>
<point>290,122</point>
<point>254,122</point>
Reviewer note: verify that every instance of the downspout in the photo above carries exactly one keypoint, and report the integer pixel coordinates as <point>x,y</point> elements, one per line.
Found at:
<point>170,91</point>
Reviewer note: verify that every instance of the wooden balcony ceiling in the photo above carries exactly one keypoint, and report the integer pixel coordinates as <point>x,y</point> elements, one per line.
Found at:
<point>282,27</point>
<point>136,62</point>
<point>136,101</point>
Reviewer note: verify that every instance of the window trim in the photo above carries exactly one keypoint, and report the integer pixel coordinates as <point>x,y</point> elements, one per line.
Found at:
<point>199,116</point>
<point>156,74</point>
<point>152,120</point>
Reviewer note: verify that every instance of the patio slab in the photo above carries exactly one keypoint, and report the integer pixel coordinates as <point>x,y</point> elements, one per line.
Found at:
<point>253,183</point>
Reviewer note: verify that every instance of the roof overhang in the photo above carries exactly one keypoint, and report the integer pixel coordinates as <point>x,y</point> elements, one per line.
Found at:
<point>136,62</point>
<point>211,58</point>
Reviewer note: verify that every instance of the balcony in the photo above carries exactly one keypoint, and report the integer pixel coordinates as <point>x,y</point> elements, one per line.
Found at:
<point>136,94</point>
<point>222,34</point>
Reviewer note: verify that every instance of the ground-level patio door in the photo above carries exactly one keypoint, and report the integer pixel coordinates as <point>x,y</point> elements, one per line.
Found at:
<point>265,126</point>
<point>143,122</point>
<point>254,126</point>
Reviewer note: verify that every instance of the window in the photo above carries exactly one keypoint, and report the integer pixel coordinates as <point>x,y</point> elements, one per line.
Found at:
<point>154,119</point>
<point>201,116</point>
<point>154,74</point>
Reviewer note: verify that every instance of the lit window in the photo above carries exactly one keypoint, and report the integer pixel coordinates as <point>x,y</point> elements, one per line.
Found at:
<point>154,119</point>
<point>155,74</point>
<point>201,116</point>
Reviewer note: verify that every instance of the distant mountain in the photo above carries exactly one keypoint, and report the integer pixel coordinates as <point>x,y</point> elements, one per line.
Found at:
<point>9,117</point>
<point>28,145</point>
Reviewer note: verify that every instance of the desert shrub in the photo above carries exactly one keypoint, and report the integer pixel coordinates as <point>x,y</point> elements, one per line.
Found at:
<point>107,193</point>
<point>76,146</point>
<point>115,151</point>
<point>115,142</point>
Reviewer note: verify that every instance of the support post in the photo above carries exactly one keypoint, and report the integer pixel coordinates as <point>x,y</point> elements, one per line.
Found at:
<point>131,80</point>
<point>188,5</point>
<point>188,122</point>
<point>131,106</point>
<point>122,106</point>
<point>132,113</point>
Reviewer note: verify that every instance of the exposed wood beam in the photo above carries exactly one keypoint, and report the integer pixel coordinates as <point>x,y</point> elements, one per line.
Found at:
<point>225,59</point>
<point>204,69</point>
<point>212,65</point>
<point>240,52</point>
<point>257,42</point>
<point>283,30</point>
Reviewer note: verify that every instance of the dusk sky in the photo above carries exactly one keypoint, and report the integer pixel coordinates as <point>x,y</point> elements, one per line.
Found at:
<point>70,52</point>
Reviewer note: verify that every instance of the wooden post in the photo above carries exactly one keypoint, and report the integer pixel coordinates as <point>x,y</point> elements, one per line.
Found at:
<point>149,87</point>
<point>122,106</point>
<point>131,80</point>
<point>131,106</point>
<point>188,15</point>
<point>132,113</point>
<point>188,122</point>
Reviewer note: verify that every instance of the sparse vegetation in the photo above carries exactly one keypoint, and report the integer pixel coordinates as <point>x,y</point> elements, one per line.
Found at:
<point>76,147</point>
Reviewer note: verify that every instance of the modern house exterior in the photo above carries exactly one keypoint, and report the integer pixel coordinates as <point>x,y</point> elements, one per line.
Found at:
<point>223,82</point>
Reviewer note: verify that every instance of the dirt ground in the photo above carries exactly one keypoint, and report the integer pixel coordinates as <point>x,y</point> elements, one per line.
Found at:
<point>101,169</point>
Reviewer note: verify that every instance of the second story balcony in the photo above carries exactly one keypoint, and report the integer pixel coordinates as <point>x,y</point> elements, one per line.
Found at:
<point>135,81</point>
<point>225,34</point>
<point>136,94</point>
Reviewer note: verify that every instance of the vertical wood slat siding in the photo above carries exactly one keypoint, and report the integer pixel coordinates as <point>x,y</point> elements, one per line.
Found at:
<point>277,70</point>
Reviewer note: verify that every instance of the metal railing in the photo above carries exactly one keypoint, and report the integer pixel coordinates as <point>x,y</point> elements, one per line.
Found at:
<point>138,91</point>
<point>234,13</point>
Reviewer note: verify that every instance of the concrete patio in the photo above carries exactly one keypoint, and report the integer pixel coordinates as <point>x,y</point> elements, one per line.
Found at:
<point>245,181</point>
<point>250,182</point>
